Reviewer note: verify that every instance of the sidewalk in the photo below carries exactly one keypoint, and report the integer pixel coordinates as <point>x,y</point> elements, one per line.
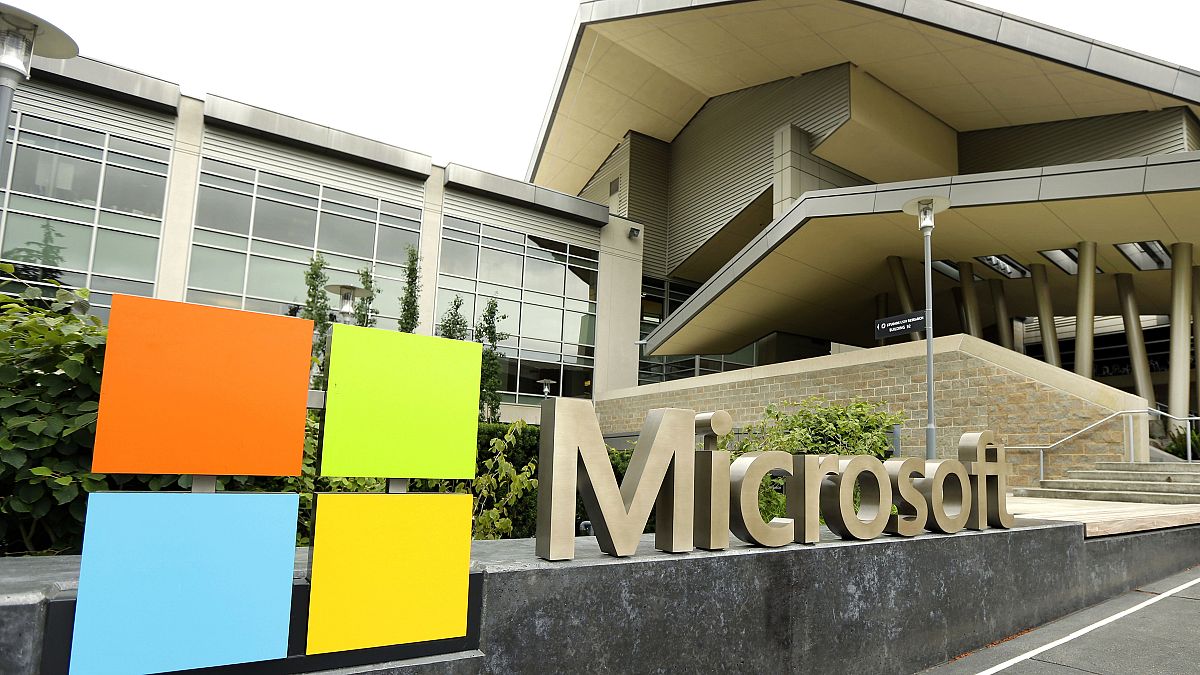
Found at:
<point>1155,639</point>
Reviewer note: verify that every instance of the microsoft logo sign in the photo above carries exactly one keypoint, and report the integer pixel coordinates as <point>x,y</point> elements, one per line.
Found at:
<point>174,581</point>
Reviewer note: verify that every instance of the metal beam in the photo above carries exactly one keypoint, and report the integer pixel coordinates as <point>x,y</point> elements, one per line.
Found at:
<point>1133,336</point>
<point>1085,310</point>
<point>1004,324</point>
<point>966,281</point>
<point>1179,377</point>
<point>1196,328</point>
<point>903,290</point>
<point>1045,310</point>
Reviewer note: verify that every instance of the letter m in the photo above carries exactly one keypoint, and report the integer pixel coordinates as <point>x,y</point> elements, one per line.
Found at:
<point>573,455</point>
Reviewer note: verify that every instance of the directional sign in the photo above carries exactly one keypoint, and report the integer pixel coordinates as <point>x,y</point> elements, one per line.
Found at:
<point>901,324</point>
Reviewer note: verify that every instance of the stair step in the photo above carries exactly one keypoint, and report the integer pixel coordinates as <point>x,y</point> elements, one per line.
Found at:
<point>1160,476</point>
<point>1123,486</point>
<point>1109,496</point>
<point>1175,467</point>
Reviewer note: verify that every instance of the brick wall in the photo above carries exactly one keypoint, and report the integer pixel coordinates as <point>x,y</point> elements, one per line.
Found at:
<point>1024,401</point>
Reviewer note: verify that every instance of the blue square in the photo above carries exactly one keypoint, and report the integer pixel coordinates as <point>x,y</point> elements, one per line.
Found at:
<point>171,581</point>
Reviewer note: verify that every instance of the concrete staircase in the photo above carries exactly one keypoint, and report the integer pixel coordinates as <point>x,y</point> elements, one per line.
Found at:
<point>1141,482</point>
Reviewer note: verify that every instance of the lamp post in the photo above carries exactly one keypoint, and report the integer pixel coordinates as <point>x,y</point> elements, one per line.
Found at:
<point>348,293</point>
<point>22,35</point>
<point>924,209</point>
<point>546,384</point>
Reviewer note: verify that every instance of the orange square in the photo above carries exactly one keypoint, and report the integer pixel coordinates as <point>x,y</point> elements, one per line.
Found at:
<point>190,389</point>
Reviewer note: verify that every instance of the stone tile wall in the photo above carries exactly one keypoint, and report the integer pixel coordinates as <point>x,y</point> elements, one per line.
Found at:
<point>972,394</point>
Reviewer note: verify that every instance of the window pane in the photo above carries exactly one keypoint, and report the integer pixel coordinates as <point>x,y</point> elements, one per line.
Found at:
<point>214,299</point>
<point>125,255</point>
<point>223,210</point>
<point>217,270</point>
<point>546,277</point>
<point>64,146</point>
<point>402,222</point>
<point>218,239</point>
<point>393,243</point>
<point>65,130</point>
<point>352,211</point>
<point>124,222</point>
<point>272,307</point>
<point>390,290</point>
<point>288,183</point>
<point>577,382</point>
<point>508,373</point>
<point>500,267</point>
<point>503,235</point>
<point>445,297</point>
<point>459,258</point>
<point>542,323</point>
<point>136,162</point>
<point>289,252</point>
<point>459,224</point>
<point>276,279</point>
<point>227,169</point>
<point>579,328</point>
<point>582,252</point>
<point>133,192</point>
<point>221,181</point>
<point>284,222</point>
<point>401,210</point>
<point>46,242</point>
<point>509,310</point>
<point>350,198</point>
<point>49,208</point>
<point>532,371</point>
<point>581,283</point>
<point>287,196</point>
<point>100,283</point>
<point>546,244</point>
<point>346,235</point>
<point>44,173</point>
<point>138,148</point>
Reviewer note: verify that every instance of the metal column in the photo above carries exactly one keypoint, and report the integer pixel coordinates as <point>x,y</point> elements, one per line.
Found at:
<point>966,281</point>
<point>1180,374</point>
<point>903,291</point>
<point>1004,324</point>
<point>1085,309</point>
<point>1133,336</point>
<point>1045,310</point>
<point>1196,329</point>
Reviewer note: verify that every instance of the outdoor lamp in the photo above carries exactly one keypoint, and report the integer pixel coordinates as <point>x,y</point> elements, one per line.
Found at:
<point>348,294</point>
<point>21,36</point>
<point>546,384</point>
<point>924,209</point>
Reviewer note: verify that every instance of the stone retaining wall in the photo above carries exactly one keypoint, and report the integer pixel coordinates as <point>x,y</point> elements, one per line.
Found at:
<point>978,386</point>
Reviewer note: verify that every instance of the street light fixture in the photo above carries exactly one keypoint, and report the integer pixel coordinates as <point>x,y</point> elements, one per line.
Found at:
<point>348,293</point>
<point>23,35</point>
<point>924,209</point>
<point>546,384</point>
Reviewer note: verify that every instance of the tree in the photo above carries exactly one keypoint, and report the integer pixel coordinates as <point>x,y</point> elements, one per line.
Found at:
<point>488,334</point>
<point>453,324</point>
<point>364,307</point>
<point>410,313</point>
<point>45,253</point>
<point>316,309</point>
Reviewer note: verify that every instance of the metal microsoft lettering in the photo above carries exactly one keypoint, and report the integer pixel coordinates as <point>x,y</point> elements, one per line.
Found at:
<point>701,496</point>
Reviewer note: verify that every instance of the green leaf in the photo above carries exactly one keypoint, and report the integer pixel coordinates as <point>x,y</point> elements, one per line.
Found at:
<point>14,457</point>
<point>36,426</point>
<point>41,471</point>
<point>64,480</point>
<point>66,494</point>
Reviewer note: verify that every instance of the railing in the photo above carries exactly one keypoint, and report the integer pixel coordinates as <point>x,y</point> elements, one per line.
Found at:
<point>1128,435</point>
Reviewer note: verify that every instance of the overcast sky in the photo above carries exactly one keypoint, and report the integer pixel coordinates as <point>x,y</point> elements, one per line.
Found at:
<point>463,80</point>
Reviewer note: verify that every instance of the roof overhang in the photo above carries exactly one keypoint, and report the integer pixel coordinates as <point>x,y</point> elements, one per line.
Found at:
<point>650,66</point>
<point>817,269</point>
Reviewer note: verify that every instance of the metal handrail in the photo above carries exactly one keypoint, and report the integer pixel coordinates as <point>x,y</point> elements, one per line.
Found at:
<point>1142,411</point>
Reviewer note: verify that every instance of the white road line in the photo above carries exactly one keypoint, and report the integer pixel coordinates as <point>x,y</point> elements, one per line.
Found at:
<point>1087,629</point>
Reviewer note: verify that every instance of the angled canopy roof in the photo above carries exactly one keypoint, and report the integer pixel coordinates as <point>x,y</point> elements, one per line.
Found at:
<point>649,65</point>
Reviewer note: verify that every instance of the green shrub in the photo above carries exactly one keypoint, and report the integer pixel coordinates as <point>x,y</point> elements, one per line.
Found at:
<point>814,426</point>
<point>1177,444</point>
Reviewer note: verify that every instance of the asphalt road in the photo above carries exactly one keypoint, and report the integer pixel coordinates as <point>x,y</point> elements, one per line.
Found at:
<point>1149,631</point>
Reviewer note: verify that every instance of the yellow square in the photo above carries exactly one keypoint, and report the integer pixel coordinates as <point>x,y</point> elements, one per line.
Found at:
<point>388,569</point>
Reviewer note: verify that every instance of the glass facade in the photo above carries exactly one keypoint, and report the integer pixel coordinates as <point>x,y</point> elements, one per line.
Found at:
<point>546,289</point>
<point>660,298</point>
<point>82,207</point>
<point>255,232</point>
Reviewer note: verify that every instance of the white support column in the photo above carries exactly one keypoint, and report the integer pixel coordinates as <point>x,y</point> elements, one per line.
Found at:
<point>1085,309</point>
<point>903,290</point>
<point>431,247</point>
<point>1134,338</point>
<point>618,307</point>
<point>1178,380</point>
<point>183,180</point>
<point>1004,324</point>
<point>970,299</point>
<point>1045,310</point>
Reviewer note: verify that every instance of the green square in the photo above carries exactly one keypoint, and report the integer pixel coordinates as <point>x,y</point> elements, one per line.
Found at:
<point>400,405</point>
